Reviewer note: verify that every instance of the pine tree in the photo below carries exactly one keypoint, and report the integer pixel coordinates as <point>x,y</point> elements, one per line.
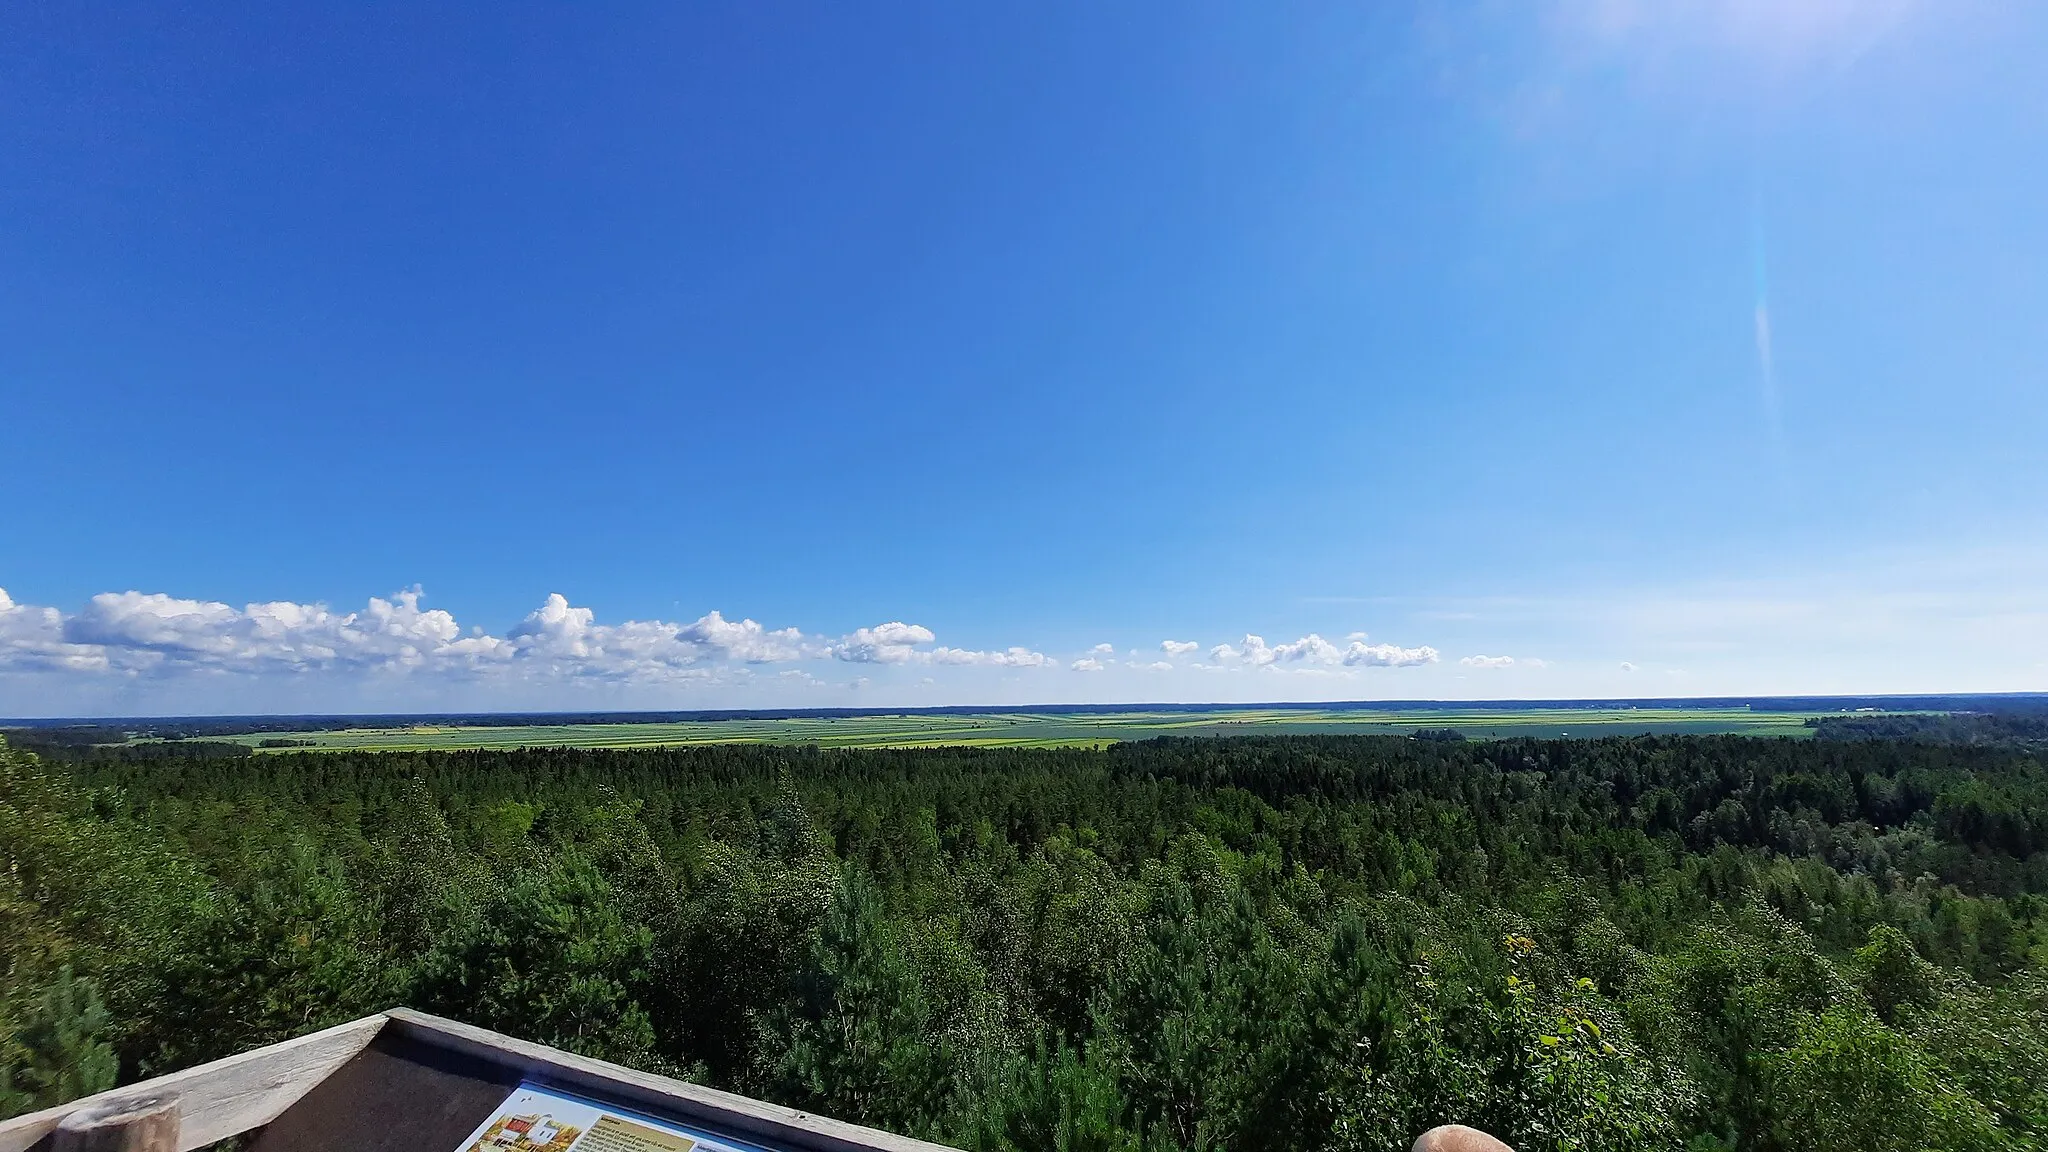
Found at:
<point>861,1040</point>
<point>59,1050</point>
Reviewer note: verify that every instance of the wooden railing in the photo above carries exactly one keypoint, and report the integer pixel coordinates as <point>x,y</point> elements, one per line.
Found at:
<point>404,1081</point>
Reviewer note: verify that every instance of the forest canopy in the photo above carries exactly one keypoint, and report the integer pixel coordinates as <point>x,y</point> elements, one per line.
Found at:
<point>1295,942</point>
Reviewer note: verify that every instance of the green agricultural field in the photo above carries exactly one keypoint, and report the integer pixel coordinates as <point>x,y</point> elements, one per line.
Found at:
<point>1048,730</point>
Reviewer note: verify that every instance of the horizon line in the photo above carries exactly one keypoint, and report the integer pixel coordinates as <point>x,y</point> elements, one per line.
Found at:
<point>684,715</point>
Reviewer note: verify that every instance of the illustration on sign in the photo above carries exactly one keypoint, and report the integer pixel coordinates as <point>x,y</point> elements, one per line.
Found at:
<point>535,1119</point>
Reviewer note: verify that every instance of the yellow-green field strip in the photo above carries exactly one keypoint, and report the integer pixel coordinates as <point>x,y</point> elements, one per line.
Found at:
<point>1052,730</point>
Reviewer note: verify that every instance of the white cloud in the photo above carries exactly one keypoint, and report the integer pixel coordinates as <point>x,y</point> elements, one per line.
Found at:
<point>1627,667</point>
<point>891,643</point>
<point>1009,658</point>
<point>137,633</point>
<point>1361,654</point>
<point>745,640</point>
<point>1225,654</point>
<point>397,647</point>
<point>1312,650</point>
<point>160,623</point>
<point>568,640</point>
<point>1503,662</point>
<point>32,639</point>
<point>555,628</point>
<point>897,632</point>
<point>1252,650</point>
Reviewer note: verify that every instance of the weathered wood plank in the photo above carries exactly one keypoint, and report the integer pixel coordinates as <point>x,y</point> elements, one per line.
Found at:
<point>225,1097</point>
<point>722,1111</point>
<point>130,1124</point>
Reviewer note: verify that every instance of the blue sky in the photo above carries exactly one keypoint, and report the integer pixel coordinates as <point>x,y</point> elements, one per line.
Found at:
<point>754,355</point>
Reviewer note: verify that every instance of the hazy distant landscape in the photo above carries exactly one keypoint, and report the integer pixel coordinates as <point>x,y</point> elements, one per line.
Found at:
<point>1054,729</point>
<point>1048,726</point>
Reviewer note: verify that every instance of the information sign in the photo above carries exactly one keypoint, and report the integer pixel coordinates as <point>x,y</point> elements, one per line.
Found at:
<point>537,1119</point>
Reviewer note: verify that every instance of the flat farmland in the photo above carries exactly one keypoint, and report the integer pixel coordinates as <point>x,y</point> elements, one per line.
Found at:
<point>1056,729</point>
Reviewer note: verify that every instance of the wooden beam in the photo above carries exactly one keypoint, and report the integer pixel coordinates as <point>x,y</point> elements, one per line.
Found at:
<point>660,1096</point>
<point>224,1098</point>
<point>130,1124</point>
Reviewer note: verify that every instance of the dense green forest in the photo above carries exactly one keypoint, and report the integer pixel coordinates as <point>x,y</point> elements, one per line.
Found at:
<point>1258,943</point>
<point>2018,727</point>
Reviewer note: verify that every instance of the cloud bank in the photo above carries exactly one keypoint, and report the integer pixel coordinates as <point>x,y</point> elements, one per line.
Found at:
<point>152,642</point>
<point>1014,657</point>
<point>136,634</point>
<point>1312,650</point>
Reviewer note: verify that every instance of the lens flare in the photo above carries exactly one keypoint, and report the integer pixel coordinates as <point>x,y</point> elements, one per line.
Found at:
<point>1766,360</point>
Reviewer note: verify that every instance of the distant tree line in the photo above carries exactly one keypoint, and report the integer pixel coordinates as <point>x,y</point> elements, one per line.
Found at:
<point>2028,727</point>
<point>1240,943</point>
<point>71,744</point>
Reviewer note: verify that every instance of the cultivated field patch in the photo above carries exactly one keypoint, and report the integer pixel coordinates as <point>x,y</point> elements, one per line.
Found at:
<point>1055,729</point>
